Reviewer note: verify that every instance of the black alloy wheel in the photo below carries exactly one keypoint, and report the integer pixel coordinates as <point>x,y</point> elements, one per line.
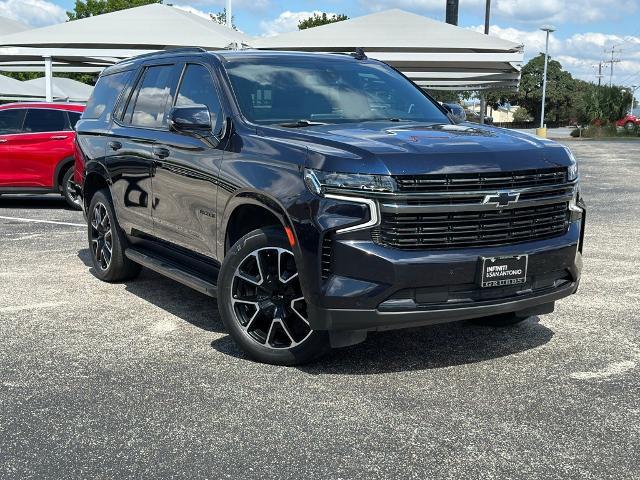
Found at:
<point>101,236</point>
<point>268,301</point>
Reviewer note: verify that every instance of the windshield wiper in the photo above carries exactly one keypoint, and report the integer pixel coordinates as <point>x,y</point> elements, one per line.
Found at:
<point>302,123</point>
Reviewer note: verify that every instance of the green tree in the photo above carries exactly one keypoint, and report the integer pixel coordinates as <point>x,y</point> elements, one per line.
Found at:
<point>320,19</point>
<point>89,8</point>
<point>221,18</point>
<point>521,115</point>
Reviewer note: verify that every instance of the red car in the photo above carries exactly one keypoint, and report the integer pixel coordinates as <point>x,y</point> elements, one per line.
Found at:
<point>629,122</point>
<point>37,149</point>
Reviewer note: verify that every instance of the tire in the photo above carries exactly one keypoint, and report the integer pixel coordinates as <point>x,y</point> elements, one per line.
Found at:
<point>502,320</point>
<point>261,302</point>
<point>629,126</point>
<point>103,232</point>
<point>68,192</point>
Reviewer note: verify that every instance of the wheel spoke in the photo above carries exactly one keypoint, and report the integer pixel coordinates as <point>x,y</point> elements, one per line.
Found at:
<point>286,331</point>
<point>292,305</point>
<point>280,277</point>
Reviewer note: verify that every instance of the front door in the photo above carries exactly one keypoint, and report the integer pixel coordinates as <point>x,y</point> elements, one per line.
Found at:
<point>129,150</point>
<point>186,170</point>
<point>30,156</point>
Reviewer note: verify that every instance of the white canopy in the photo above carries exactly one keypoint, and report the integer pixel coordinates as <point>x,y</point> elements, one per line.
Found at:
<point>95,42</point>
<point>63,88</point>
<point>433,54</point>
<point>150,27</point>
<point>8,26</point>
<point>12,89</point>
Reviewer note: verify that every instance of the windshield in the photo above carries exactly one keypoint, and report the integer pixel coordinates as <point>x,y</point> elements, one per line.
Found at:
<point>305,91</point>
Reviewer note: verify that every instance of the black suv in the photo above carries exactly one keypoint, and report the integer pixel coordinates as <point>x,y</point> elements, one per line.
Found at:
<point>321,196</point>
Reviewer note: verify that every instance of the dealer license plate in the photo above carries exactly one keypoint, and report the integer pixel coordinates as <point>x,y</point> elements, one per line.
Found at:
<point>504,271</point>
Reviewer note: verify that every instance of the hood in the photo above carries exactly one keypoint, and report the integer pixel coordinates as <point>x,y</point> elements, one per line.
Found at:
<point>410,149</point>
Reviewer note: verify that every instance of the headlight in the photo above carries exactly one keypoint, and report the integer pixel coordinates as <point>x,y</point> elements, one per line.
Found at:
<point>572,172</point>
<point>318,181</point>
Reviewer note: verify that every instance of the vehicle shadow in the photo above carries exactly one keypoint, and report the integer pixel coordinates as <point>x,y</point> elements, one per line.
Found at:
<point>177,299</point>
<point>40,202</point>
<point>437,346</point>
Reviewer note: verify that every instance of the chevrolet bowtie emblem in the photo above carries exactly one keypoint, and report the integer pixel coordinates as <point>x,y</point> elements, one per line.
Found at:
<point>501,199</point>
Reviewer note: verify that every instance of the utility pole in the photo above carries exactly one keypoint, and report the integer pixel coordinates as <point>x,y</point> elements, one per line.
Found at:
<point>599,74</point>
<point>612,61</point>
<point>452,12</point>
<point>483,99</point>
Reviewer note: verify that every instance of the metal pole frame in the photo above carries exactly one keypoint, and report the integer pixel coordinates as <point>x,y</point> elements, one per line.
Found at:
<point>48,79</point>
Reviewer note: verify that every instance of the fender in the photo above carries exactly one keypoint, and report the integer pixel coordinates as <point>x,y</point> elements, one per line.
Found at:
<point>63,164</point>
<point>251,197</point>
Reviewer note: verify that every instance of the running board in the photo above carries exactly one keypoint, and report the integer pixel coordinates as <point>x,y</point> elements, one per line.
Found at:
<point>172,270</point>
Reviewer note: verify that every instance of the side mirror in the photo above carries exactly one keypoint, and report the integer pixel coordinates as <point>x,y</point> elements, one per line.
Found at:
<point>455,112</point>
<point>190,119</point>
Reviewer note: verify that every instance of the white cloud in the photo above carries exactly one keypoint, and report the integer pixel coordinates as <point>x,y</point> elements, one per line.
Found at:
<point>36,13</point>
<point>523,11</point>
<point>287,21</point>
<point>580,53</point>
<point>195,11</point>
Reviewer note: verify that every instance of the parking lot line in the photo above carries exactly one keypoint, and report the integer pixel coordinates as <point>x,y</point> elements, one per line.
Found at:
<point>19,219</point>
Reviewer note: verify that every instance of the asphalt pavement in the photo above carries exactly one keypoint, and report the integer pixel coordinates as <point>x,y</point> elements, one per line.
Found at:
<point>140,380</point>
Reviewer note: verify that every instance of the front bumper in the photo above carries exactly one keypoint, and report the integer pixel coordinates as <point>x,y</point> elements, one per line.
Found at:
<point>373,287</point>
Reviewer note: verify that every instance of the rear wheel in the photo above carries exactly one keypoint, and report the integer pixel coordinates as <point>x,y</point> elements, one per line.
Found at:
<point>502,320</point>
<point>107,242</point>
<point>261,302</point>
<point>70,191</point>
<point>629,126</point>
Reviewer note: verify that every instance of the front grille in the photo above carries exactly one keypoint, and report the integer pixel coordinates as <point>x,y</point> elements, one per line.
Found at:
<point>467,229</point>
<point>461,182</point>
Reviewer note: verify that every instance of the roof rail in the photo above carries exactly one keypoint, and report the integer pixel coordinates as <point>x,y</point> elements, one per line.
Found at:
<point>163,52</point>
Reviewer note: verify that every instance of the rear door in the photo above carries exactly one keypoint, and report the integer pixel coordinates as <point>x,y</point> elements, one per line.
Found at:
<point>186,170</point>
<point>129,156</point>
<point>10,127</point>
<point>44,141</point>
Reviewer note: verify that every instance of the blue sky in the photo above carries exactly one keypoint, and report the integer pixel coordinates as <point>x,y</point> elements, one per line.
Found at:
<point>586,28</point>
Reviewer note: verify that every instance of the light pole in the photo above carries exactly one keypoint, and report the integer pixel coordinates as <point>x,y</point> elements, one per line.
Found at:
<point>547,29</point>
<point>229,15</point>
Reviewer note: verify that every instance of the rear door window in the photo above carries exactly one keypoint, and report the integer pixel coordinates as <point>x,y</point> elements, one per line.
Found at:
<point>105,94</point>
<point>11,120</point>
<point>45,120</point>
<point>148,104</point>
<point>197,88</point>
<point>73,119</point>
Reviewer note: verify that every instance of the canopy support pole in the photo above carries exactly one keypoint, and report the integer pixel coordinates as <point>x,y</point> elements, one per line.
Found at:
<point>48,79</point>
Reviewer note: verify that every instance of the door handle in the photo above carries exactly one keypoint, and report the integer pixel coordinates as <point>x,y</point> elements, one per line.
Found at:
<point>58,137</point>
<point>114,145</point>
<point>161,152</point>
<point>3,140</point>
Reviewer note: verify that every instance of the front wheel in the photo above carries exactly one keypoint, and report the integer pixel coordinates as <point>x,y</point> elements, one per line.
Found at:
<point>261,302</point>
<point>629,126</point>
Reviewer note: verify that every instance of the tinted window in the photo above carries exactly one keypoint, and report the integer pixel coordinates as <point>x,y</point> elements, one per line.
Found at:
<point>11,120</point>
<point>43,120</point>
<point>105,94</point>
<point>148,104</point>
<point>278,90</point>
<point>73,118</point>
<point>197,88</point>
